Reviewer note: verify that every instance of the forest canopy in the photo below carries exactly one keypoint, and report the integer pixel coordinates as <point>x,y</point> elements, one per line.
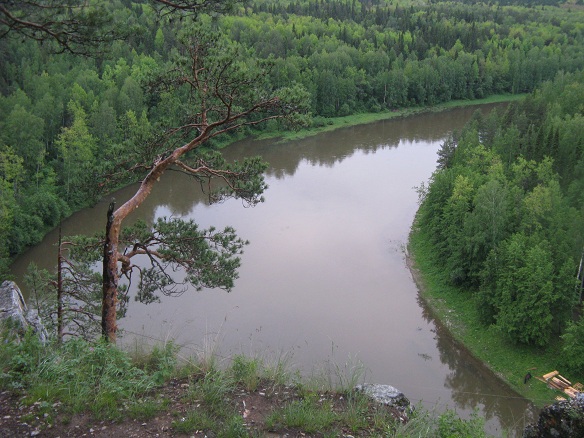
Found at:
<point>504,214</point>
<point>65,118</point>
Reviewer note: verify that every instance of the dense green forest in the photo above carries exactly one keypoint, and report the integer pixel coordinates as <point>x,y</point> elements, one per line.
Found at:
<point>67,120</point>
<point>505,214</point>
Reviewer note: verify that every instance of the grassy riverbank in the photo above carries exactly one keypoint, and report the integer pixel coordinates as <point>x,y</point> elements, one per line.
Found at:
<point>458,312</point>
<point>325,125</point>
<point>95,389</point>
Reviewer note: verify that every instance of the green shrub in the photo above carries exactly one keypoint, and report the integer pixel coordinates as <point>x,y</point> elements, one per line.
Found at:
<point>573,347</point>
<point>161,363</point>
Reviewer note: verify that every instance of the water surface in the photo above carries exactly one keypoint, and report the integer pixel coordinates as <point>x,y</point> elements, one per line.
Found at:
<point>324,280</point>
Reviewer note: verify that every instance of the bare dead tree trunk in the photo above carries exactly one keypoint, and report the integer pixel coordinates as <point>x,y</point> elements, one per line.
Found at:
<point>110,280</point>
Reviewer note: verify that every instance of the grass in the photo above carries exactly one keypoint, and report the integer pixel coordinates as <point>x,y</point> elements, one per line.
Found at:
<point>309,415</point>
<point>213,390</point>
<point>457,311</point>
<point>57,385</point>
<point>246,371</point>
<point>355,413</point>
<point>145,409</point>
<point>427,424</point>
<point>334,376</point>
<point>195,420</point>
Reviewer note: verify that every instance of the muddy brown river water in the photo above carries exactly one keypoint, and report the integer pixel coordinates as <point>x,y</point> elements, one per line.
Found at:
<point>324,283</point>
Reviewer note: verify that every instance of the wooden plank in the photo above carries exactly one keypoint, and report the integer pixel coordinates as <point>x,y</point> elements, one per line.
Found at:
<point>563,379</point>
<point>558,383</point>
<point>541,379</point>
<point>555,385</point>
<point>550,375</point>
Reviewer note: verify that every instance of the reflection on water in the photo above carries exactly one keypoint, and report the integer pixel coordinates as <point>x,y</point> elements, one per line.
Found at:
<point>466,378</point>
<point>324,278</point>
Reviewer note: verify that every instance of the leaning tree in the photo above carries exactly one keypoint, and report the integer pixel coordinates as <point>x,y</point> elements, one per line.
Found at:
<point>215,87</point>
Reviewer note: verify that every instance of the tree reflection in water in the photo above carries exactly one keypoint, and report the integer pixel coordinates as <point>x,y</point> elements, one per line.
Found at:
<point>468,378</point>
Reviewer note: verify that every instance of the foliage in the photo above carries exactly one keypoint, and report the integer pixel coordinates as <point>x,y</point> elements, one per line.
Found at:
<point>350,57</point>
<point>145,409</point>
<point>215,89</point>
<point>573,347</point>
<point>246,372</point>
<point>464,314</point>
<point>162,362</point>
<point>525,291</point>
<point>213,388</point>
<point>69,301</point>
<point>499,214</point>
<point>99,379</point>
<point>445,425</point>
<point>68,26</point>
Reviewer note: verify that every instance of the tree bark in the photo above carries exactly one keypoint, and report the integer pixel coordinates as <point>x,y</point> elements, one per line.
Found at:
<point>112,235</point>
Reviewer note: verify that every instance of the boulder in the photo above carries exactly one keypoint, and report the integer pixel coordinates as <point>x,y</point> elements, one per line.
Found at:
<point>14,311</point>
<point>385,394</point>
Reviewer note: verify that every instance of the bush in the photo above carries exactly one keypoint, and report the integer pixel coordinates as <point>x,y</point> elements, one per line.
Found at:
<point>573,347</point>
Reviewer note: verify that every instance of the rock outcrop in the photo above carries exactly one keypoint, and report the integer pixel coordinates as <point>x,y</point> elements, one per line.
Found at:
<point>562,419</point>
<point>16,314</point>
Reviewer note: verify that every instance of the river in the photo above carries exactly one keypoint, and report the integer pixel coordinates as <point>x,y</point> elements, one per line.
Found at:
<point>323,284</point>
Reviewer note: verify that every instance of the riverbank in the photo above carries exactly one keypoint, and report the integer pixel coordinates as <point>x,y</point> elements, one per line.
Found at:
<point>83,389</point>
<point>326,125</point>
<point>338,123</point>
<point>458,313</point>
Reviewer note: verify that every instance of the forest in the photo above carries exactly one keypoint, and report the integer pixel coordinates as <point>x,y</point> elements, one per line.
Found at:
<point>504,211</point>
<point>69,120</point>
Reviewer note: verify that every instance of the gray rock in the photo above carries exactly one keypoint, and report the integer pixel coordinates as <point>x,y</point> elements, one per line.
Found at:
<point>13,310</point>
<point>562,419</point>
<point>385,394</point>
